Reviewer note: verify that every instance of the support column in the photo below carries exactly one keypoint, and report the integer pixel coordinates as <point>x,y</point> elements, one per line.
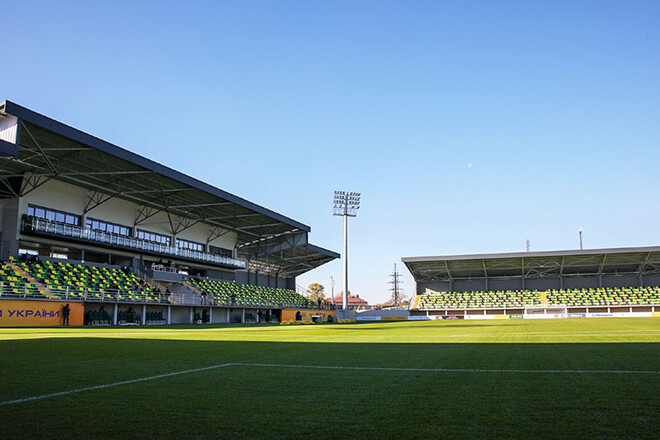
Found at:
<point>242,315</point>
<point>190,315</point>
<point>227,310</point>
<point>115,312</point>
<point>210,315</point>
<point>169,314</point>
<point>144,314</point>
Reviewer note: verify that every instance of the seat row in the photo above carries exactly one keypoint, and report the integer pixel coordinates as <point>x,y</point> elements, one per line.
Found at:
<point>78,281</point>
<point>230,293</point>
<point>602,296</point>
<point>479,299</point>
<point>605,296</point>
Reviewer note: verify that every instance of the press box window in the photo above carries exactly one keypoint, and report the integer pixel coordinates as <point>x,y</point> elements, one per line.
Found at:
<point>185,244</point>
<point>53,215</point>
<point>153,237</point>
<point>112,228</point>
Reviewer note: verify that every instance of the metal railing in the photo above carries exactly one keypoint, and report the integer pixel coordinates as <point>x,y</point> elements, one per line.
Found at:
<point>34,224</point>
<point>530,306</point>
<point>32,291</point>
<point>29,290</point>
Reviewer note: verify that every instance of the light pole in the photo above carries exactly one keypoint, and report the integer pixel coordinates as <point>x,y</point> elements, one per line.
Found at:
<point>580,237</point>
<point>346,204</point>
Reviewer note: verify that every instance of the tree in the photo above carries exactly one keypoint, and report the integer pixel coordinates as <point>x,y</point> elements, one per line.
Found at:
<point>315,292</point>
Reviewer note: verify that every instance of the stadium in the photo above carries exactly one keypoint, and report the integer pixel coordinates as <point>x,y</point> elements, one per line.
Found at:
<point>175,292</point>
<point>558,284</point>
<point>76,210</point>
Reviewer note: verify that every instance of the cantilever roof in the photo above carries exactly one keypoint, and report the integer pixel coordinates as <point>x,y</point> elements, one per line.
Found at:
<point>535,264</point>
<point>46,149</point>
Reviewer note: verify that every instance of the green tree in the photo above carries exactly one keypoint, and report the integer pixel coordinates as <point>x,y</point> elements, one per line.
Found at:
<point>315,292</point>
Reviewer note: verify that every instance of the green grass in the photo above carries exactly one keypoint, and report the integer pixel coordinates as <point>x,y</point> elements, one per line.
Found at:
<point>264,402</point>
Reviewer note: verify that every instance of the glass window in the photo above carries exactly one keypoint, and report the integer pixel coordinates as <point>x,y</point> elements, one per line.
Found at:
<point>153,237</point>
<point>53,215</point>
<point>100,225</point>
<point>186,244</point>
<point>222,252</point>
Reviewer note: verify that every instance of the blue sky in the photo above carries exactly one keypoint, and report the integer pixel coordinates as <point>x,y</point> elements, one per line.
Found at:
<point>556,106</point>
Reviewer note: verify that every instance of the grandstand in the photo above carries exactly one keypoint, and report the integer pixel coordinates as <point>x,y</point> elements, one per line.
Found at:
<point>87,222</point>
<point>552,284</point>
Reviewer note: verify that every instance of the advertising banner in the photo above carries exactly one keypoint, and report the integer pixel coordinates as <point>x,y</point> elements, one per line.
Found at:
<point>306,315</point>
<point>17,313</point>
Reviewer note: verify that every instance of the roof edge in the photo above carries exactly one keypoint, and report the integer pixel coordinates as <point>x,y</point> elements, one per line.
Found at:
<point>324,251</point>
<point>62,129</point>
<point>557,253</point>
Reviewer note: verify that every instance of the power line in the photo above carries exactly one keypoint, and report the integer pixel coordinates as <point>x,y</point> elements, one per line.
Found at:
<point>397,291</point>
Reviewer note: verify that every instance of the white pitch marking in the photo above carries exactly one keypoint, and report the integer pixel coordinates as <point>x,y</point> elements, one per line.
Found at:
<point>110,385</point>
<point>326,367</point>
<point>449,370</point>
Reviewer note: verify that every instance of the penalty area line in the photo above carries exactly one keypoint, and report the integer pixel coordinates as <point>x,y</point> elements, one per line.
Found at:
<point>114,384</point>
<point>324,367</point>
<point>448,370</point>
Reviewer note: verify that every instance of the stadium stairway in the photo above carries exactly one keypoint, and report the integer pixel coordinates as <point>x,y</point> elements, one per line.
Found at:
<point>415,305</point>
<point>42,289</point>
<point>544,299</point>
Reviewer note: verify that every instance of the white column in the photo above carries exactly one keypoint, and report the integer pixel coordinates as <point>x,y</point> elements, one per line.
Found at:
<point>210,315</point>
<point>169,314</point>
<point>115,312</point>
<point>227,310</point>
<point>242,315</point>
<point>144,314</point>
<point>191,316</point>
<point>345,297</point>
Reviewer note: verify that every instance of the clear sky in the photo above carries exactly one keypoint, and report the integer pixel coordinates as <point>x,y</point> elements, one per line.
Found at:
<point>467,126</point>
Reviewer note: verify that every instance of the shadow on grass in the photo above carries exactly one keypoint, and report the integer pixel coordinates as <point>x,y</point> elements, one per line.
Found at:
<point>248,402</point>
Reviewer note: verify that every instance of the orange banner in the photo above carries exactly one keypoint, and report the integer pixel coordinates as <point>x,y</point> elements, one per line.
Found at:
<point>306,315</point>
<point>17,313</point>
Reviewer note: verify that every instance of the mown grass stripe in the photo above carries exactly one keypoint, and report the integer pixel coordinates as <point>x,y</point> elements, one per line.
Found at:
<point>110,385</point>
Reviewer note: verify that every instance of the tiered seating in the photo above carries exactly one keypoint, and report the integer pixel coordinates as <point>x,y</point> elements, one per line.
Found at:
<point>605,296</point>
<point>14,284</point>
<point>228,293</point>
<point>480,299</point>
<point>79,281</point>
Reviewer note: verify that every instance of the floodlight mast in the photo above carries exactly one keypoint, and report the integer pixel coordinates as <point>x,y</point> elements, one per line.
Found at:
<point>346,205</point>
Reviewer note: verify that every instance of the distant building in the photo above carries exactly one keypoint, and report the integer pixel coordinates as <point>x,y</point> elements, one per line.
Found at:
<point>353,303</point>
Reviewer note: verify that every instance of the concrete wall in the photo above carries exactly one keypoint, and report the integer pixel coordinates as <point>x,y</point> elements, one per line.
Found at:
<point>542,283</point>
<point>9,228</point>
<point>180,315</point>
<point>219,316</point>
<point>620,280</point>
<point>70,198</point>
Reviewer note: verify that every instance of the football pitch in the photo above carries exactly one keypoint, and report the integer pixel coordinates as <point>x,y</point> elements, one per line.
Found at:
<point>572,378</point>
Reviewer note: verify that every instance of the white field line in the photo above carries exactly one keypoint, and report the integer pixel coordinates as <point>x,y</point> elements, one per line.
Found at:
<point>110,385</point>
<point>448,370</point>
<point>326,367</point>
<point>120,335</point>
